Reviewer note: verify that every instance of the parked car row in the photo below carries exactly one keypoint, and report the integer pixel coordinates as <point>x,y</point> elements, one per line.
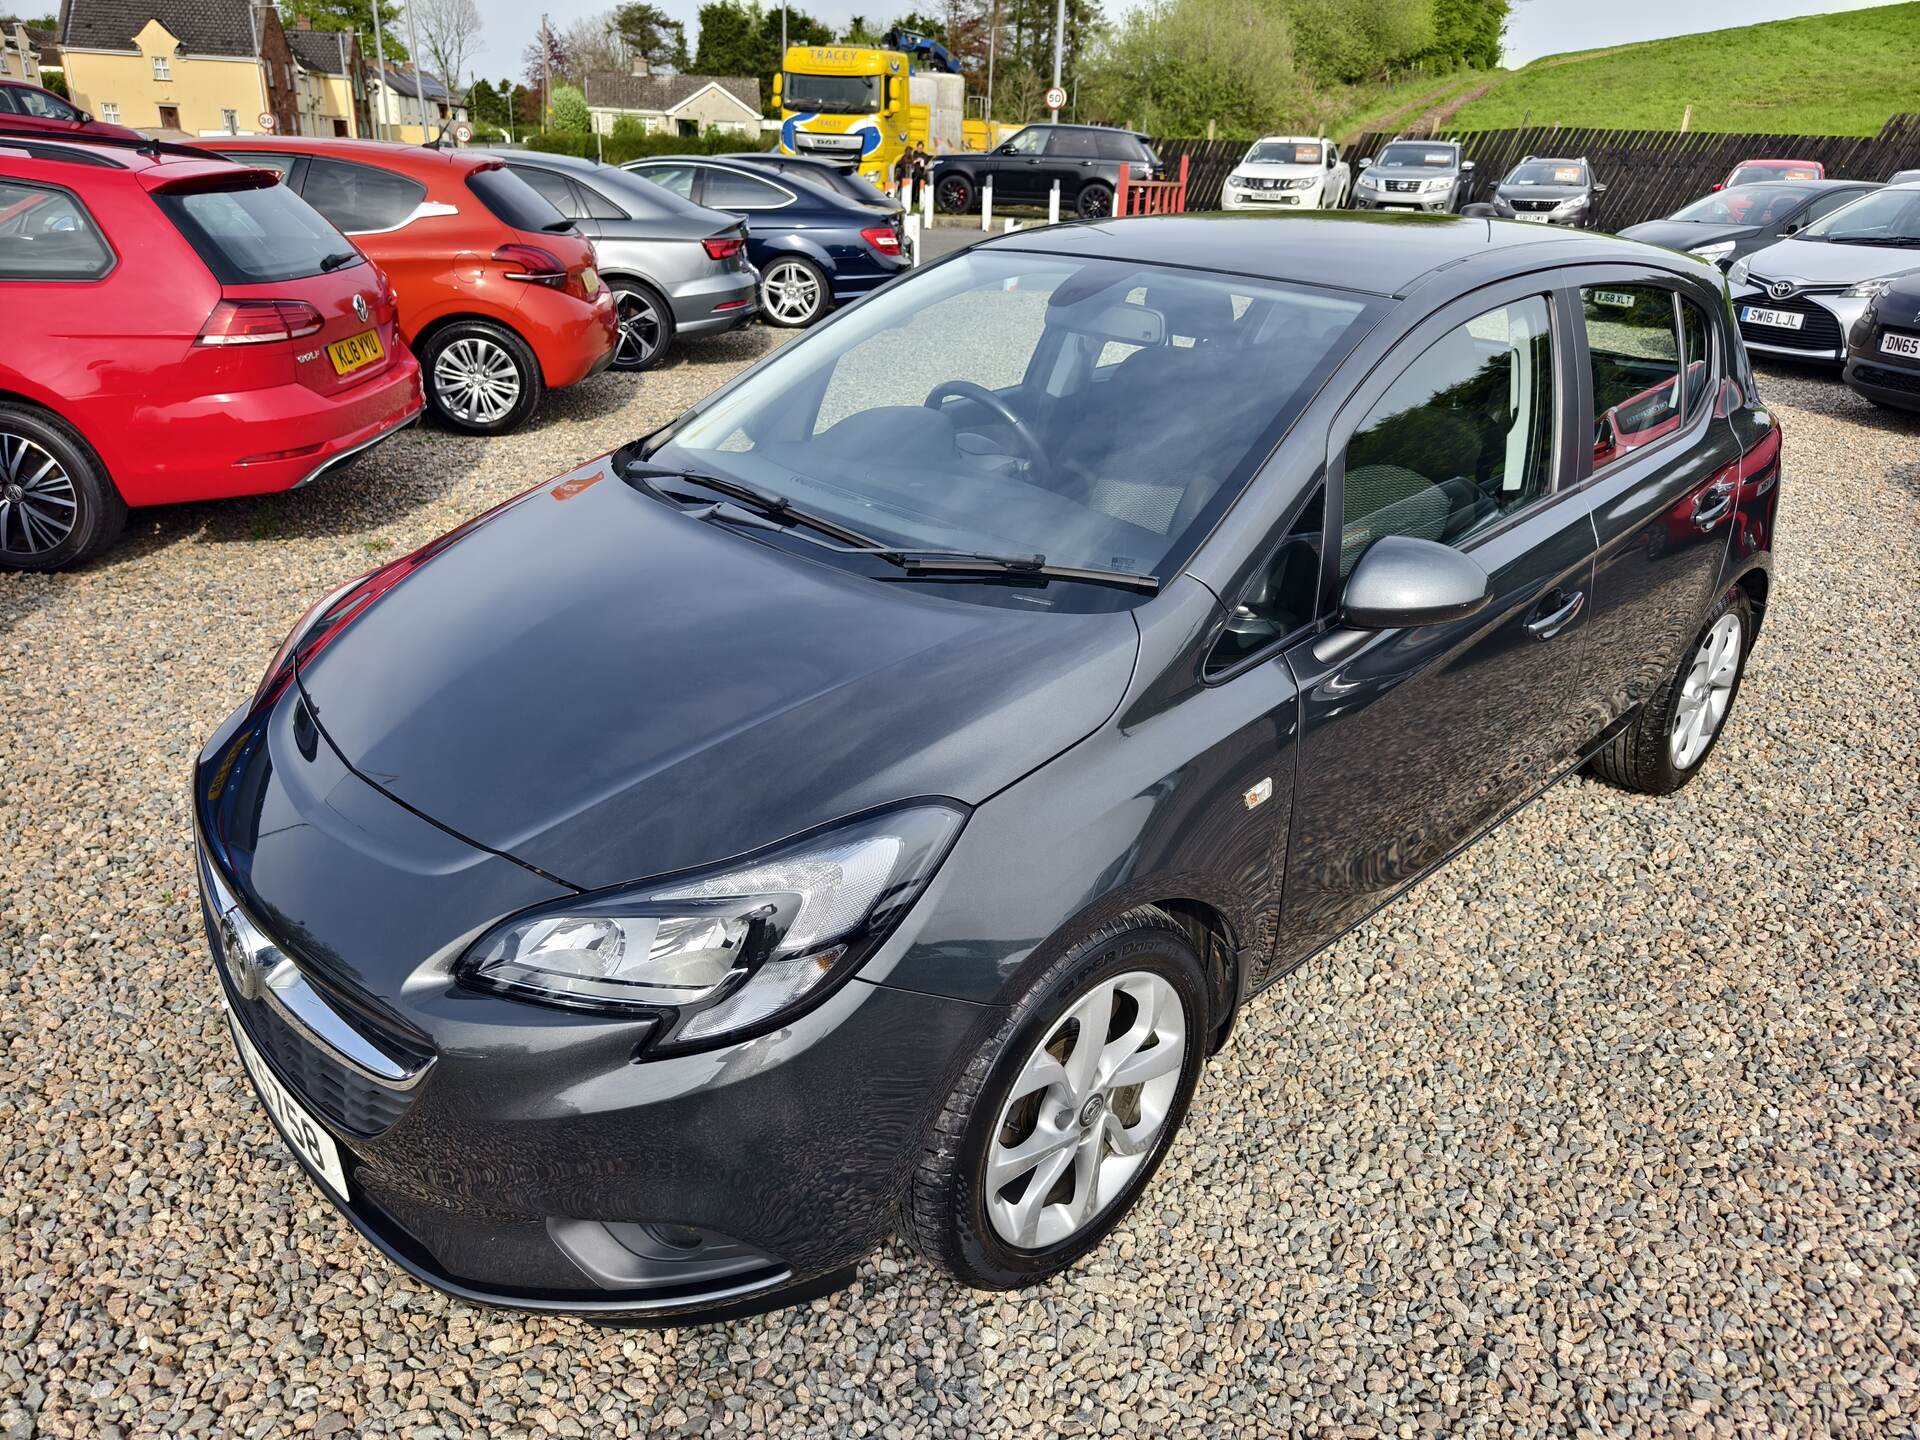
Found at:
<point>301,299</point>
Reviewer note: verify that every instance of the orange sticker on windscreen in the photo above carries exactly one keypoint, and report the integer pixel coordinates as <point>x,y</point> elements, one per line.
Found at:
<point>567,489</point>
<point>1566,174</point>
<point>1306,154</point>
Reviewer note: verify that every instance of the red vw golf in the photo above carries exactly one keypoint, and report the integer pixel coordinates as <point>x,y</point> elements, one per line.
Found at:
<point>178,328</point>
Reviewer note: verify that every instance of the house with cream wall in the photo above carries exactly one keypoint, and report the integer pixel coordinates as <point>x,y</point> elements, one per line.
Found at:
<point>670,104</point>
<point>204,67</point>
<point>333,88</point>
<point>413,105</point>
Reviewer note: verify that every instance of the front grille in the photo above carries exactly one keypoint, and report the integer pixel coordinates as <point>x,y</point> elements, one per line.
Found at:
<point>1405,187</point>
<point>1819,332</point>
<point>350,1100</point>
<point>1533,204</point>
<point>1887,379</point>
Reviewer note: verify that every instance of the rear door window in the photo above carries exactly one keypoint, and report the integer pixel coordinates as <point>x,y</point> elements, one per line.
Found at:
<point>553,188</point>
<point>1633,348</point>
<point>46,234</point>
<point>258,236</point>
<point>680,179</point>
<point>360,199</point>
<point>730,190</point>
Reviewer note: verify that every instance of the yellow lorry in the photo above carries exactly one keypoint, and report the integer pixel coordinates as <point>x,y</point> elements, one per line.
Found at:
<point>863,105</point>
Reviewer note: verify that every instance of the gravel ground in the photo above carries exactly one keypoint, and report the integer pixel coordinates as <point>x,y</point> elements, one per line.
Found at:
<point>1609,1128</point>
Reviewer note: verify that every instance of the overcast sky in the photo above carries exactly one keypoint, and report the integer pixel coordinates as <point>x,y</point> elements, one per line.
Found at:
<point>1538,27</point>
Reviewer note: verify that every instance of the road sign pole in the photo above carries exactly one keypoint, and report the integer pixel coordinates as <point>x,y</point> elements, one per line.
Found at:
<point>1056,97</point>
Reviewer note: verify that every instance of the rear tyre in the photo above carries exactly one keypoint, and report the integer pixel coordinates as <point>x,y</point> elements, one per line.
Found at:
<point>954,194</point>
<point>794,293</point>
<point>481,378</point>
<point>1678,727</point>
<point>57,505</point>
<point>1059,1121</point>
<point>646,325</point>
<point>1095,201</point>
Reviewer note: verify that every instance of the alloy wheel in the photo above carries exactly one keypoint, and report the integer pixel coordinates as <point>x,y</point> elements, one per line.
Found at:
<point>39,504</point>
<point>1706,692</point>
<point>1086,1110</point>
<point>955,195</point>
<point>1096,202</point>
<point>640,329</point>
<point>792,292</point>
<point>476,380</point>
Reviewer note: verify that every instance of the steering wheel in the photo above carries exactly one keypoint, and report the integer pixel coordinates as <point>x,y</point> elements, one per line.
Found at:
<point>966,389</point>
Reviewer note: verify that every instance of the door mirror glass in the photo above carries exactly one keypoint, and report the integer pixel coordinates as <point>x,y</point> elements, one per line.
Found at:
<point>1466,165</point>
<point>1401,582</point>
<point>1599,187</point>
<point>1365,161</point>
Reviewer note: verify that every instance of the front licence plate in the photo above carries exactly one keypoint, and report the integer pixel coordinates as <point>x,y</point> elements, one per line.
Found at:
<point>1782,319</point>
<point>1533,218</point>
<point>355,351</point>
<point>305,1134</point>
<point>1900,344</point>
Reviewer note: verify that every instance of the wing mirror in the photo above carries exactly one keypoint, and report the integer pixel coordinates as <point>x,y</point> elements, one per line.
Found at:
<point>1402,582</point>
<point>1365,161</point>
<point>1793,229</point>
<point>1599,187</point>
<point>1466,165</point>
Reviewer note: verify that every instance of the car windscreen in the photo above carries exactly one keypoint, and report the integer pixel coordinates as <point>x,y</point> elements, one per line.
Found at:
<point>1884,217</point>
<point>1419,157</point>
<point>1746,205</point>
<point>257,236</point>
<point>1284,152</point>
<point>513,202</point>
<point>831,94</point>
<point>1548,172</point>
<point>1100,412</point>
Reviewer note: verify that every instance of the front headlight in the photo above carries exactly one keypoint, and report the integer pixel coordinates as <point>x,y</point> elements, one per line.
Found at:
<point>1303,182</point>
<point>1738,273</point>
<point>1445,182</point>
<point>718,955</point>
<point>1875,288</point>
<point>1715,253</point>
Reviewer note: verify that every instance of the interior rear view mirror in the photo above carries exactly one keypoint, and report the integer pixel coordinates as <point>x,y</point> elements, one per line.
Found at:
<point>1401,582</point>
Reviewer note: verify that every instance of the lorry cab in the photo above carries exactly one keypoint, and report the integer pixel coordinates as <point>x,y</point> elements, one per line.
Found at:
<point>863,105</point>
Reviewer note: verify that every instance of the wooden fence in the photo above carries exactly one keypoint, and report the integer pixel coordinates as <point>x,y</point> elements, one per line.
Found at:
<point>1648,173</point>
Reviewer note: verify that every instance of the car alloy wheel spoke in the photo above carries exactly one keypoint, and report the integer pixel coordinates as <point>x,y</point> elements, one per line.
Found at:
<point>639,328</point>
<point>38,502</point>
<point>792,292</point>
<point>1707,691</point>
<point>477,379</point>
<point>1085,1110</point>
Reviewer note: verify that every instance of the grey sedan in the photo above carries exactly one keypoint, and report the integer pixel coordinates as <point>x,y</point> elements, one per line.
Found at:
<point>677,269</point>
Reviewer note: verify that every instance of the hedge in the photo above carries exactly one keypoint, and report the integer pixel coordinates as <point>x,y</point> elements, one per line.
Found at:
<point>618,149</point>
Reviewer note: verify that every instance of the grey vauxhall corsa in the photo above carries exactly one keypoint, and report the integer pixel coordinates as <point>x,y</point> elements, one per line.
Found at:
<point>865,802</point>
<point>676,269</point>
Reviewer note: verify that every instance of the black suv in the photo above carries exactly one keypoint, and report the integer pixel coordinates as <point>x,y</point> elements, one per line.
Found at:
<point>1549,192</point>
<point>1084,159</point>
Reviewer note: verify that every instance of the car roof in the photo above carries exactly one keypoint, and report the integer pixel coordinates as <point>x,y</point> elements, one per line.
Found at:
<point>388,153</point>
<point>1325,248</point>
<point>155,165</point>
<point>1291,139</point>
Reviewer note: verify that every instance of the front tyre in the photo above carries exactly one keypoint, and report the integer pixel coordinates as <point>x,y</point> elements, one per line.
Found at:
<point>481,378</point>
<point>1678,727</point>
<point>1061,1118</point>
<point>954,194</point>
<point>793,293</point>
<point>57,505</point>
<point>1095,201</point>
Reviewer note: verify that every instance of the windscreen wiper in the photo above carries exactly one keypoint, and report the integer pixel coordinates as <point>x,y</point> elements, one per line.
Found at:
<point>339,261</point>
<point>1891,242</point>
<point>768,506</point>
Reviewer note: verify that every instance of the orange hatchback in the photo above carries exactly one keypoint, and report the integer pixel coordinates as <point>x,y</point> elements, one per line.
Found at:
<point>498,293</point>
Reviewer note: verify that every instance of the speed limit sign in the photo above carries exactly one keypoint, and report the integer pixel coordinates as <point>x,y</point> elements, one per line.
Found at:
<point>1056,98</point>
<point>462,133</point>
<point>266,120</point>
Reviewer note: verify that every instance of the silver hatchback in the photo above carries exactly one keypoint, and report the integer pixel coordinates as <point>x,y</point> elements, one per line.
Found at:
<point>677,269</point>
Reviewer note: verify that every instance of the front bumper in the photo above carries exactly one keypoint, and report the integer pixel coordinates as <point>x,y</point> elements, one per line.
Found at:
<point>1890,380</point>
<point>528,1160</point>
<point>1822,335</point>
<point>1234,198</point>
<point>1411,204</point>
<point>1573,218</point>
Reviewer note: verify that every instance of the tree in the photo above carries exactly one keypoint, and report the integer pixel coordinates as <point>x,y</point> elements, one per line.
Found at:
<point>738,39</point>
<point>570,115</point>
<point>536,60</point>
<point>649,31</point>
<point>1173,67</point>
<point>449,32</point>
<point>356,16</point>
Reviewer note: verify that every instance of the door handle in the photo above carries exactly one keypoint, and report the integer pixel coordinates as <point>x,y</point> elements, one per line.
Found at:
<point>1545,627</point>
<point>1713,504</point>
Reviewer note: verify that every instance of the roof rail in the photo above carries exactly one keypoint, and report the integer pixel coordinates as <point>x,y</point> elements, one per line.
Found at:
<point>142,146</point>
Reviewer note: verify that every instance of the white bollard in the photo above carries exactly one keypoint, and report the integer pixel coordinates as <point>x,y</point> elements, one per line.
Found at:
<point>926,203</point>
<point>913,237</point>
<point>1053,204</point>
<point>986,205</point>
<point>1012,225</point>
